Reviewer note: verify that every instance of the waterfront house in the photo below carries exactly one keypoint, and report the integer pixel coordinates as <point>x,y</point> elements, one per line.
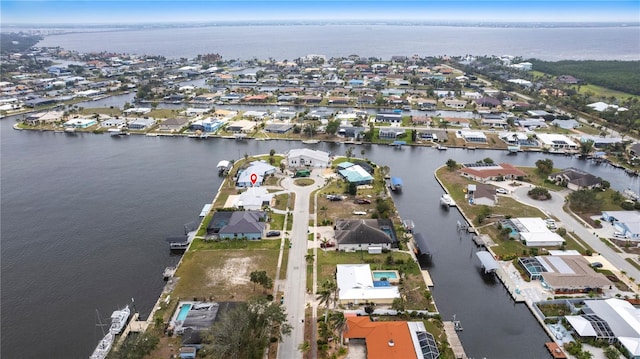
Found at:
<point>556,142</point>
<point>532,231</point>
<point>472,136</point>
<point>483,172</point>
<point>241,126</point>
<point>356,286</point>
<point>610,320</point>
<point>390,133</point>
<point>253,199</point>
<point>391,339</point>
<point>260,168</point>
<point>113,122</point>
<point>43,118</point>
<point>391,117</point>
<point>173,124</point>
<point>299,157</point>
<point>280,128</point>
<point>564,274</point>
<point>80,122</point>
<point>141,124</point>
<point>356,174</point>
<point>361,234</point>
<point>575,179</point>
<point>238,224</point>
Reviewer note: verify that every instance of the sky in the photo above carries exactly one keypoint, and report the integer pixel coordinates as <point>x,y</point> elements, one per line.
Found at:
<point>154,11</point>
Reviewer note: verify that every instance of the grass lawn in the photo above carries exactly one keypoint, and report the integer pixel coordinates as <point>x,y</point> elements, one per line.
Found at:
<point>599,91</point>
<point>162,113</point>
<point>282,201</point>
<point>223,274</point>
<point>102,111</point>
<point>540,180</point>
<point>277,221</point>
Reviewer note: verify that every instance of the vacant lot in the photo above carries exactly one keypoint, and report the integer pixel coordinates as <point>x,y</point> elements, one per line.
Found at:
<point>223,275</point>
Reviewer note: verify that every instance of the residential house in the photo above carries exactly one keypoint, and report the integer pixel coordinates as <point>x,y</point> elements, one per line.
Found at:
<point>253,199</point>
<point>260,169</point>
<point>483,172</point>
<point>575,179</point>
<point>356,286</point>
<point>391,339</point>
<point>173,124</point>
<point>626,223</point>
<point>356,174</point>
<point>141,124</point>
<point>454,103</point>
<point>241,126</point>
<point>556,142</point>
<point>564,274</point>
<point>610,320</point>
<point>238,225</point>
<point>302,157</point>
<point>390,133</point>
<point>391,117</point>
<point>472,136</point>
<point>280,128</point>
<point>533,232</point>
<point>361,234</point>
<point>80,122</point>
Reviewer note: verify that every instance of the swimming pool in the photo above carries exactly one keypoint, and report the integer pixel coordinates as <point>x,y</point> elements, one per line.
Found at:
<point>379,283</point>
<point>389,275</point>
<point>184,310</point>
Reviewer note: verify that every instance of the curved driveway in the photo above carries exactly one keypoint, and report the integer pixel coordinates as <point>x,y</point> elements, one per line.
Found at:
<point>554,207</point>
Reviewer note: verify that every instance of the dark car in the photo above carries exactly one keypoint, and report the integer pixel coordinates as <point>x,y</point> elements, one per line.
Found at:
<point>596,265</point>
<point>332,197</point>
<point>362,201</point>
<point>273,233</point>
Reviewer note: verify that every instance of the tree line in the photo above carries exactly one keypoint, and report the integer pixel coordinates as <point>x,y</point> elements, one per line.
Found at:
<point>616,75</point>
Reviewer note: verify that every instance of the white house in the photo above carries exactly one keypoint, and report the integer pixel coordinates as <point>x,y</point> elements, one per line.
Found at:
<point>355,285</point>
<point>253,199</point>
<point>554,141</point>
<point>300,157</point>
<point>533,231</point>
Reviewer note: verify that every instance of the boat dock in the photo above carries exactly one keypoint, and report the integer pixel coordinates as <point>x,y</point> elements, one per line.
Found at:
<point>454,340</point>
<point>134,326</point>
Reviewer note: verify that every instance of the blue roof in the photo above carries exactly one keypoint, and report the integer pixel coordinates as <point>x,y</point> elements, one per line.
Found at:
<point>396,181</point>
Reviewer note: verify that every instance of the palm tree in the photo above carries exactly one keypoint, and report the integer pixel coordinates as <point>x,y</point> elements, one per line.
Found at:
<point>338,322</point>
<point>325,296</point>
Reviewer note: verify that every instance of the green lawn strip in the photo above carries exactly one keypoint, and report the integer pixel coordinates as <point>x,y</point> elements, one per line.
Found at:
<point>610,245</point>
<point>285,260</point>
<point>202,230</point>
<point>310,273</point>
<point>633,263</point>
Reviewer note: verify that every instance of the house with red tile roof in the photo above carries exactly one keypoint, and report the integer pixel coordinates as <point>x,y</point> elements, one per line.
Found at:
<point>392,339</point>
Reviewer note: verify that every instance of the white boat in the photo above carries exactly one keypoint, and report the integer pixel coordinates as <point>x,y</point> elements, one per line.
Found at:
<point>103,348</point>
<point>116,132</point>
<point>441,148</point>
<point>447,201</point>
<point>119,320</point>
<point>310,142</point>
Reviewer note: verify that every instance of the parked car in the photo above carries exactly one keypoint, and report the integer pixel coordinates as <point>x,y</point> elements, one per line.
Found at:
<point>501,190</point>
<point>596,265</point>
<point>362,201</point>
<point>273,233</point>
<point>333,197</point>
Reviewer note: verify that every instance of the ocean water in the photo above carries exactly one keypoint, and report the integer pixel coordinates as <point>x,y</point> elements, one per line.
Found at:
<point>383,41</point>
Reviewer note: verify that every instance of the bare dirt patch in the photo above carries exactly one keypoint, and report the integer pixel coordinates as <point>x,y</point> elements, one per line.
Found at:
<point>235,271</point>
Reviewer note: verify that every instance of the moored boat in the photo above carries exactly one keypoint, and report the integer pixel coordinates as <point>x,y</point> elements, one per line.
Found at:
<point>119,320</point>
<point>103,348</point>
<point>447,201</point>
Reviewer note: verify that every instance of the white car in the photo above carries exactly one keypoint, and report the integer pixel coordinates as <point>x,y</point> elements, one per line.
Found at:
<point>501,190</point>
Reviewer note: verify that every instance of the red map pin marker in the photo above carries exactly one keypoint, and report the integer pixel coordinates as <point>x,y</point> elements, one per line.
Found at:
<point>254,178</point>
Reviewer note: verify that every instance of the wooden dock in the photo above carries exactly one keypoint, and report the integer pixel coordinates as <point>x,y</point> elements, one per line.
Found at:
<point>454,340</point>
<point>135,326</point>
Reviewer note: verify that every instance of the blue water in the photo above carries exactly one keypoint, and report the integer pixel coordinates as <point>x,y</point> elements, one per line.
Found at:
<point>382,41</point>
<point>184,311</point>
<point>381,283</point>
<point>380,275</point>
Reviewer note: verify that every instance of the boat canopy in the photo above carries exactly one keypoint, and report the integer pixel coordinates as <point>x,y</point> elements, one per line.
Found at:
<point>399,143</point>
<point>224,164</point>
<point>488,262</point>
<point>423,245</point>
<point>396,181</point>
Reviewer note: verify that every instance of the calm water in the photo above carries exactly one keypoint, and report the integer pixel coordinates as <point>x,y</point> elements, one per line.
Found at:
<point>84,220</point>
<point>293,41</point>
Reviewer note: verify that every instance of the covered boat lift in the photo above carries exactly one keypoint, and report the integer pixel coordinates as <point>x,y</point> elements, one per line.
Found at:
<point>422,246</point>
<point>396,184</point>
<point>489,264</point>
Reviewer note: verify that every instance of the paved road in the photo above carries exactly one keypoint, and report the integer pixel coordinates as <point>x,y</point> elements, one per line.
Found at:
<point>295,287</point>
<point>554,208</point>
